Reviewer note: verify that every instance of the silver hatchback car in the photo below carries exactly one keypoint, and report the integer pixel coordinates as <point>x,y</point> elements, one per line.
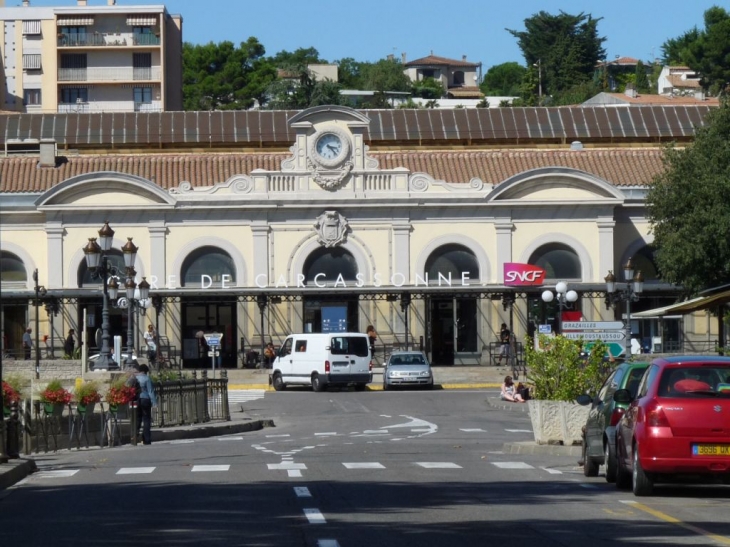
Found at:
<point>407,368</point>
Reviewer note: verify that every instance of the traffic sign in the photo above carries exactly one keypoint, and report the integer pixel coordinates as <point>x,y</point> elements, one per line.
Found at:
<point>213,338</point>
<point>614,349</point>
<point>606,336</point>
<point>592,325</point>
<point>213,353</point>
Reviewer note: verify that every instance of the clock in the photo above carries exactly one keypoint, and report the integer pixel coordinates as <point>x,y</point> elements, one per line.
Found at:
<point>331,146</point>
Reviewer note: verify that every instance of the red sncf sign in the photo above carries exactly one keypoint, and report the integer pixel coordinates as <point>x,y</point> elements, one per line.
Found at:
<point>520,275</point>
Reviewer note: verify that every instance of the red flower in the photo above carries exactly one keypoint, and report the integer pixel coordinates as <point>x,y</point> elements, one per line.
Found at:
<point>120,395</point>
<point>57,396</point>
<point>9,394</point>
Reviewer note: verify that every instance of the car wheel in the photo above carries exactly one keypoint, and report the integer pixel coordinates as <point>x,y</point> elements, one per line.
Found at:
<point>278,382</point>
<point>386,387</point>
<point>317,384</point>
<point>590,468</point>
<point>641,483</point>
<point>623,477</point>
<point>360,387</point>
<point>611,464</point>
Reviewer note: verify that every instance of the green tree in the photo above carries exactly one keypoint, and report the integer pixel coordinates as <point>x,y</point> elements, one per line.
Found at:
<point>348,73</point>
<point>566,47</point>
<point>503,80</point>
<point>299,57</point>
<point>689,207</point>
<point>428,88</point>
<point>224,77</point>
<point>641,79</point>
<point>384,75</point>
<point>675,50</point>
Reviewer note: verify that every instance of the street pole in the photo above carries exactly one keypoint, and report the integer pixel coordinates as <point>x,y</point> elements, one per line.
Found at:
<point>262,300</point>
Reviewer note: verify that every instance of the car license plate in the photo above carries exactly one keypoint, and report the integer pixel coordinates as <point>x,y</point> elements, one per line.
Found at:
<point>711,449</point>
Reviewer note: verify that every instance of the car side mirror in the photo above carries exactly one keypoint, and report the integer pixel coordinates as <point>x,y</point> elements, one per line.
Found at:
<point>622,396</point>
<point>584,399</point>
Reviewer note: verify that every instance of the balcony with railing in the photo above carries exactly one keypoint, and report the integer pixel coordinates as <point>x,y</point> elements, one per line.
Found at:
<point>108,106</point>
<point>105,39</point>
<point>110,74</point>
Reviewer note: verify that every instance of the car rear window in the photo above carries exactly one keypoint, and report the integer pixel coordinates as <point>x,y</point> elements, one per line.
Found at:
<point>350,345</point>
<point>695,381</point>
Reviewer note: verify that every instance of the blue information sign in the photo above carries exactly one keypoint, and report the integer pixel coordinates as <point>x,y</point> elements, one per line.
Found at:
<point>334,319</point>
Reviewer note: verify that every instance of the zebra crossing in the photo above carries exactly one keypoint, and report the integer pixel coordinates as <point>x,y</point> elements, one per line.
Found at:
<point>236,396</point>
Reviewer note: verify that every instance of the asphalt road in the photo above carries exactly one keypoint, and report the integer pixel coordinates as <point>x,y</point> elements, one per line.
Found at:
<point>351,469</point>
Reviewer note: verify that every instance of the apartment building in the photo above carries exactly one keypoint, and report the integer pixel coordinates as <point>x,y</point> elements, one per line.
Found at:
<point>90,58</point>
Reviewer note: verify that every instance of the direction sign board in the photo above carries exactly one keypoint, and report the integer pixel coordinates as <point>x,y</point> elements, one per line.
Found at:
<point>614,349</point>
<point>606,336</point>
<point>592,325</point>
<point>213,338</point>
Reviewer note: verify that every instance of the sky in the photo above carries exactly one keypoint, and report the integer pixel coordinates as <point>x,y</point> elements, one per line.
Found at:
<point>369,31</point>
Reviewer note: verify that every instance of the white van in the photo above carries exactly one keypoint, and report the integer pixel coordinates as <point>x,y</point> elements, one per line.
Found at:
<point>322,359</point>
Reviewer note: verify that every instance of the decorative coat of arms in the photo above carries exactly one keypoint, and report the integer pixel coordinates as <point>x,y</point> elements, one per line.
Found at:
<point>331,228</point>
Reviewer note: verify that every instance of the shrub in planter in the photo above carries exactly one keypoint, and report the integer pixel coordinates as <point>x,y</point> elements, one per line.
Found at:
<point>55,397</point>
<point>87,395</point>
<point>559,372</point>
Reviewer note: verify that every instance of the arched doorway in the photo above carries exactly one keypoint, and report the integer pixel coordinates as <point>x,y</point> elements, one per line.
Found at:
<point>14,317</point>
<point>330,267</point>
<point>205,268</point>
<point>452,321</point>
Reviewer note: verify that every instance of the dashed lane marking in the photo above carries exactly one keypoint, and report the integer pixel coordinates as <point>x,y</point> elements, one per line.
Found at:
<point>135,470</point>
<point>230,438</point>
<point>518,430</point>
<point>328,434</point>
<point>294,474</point>
<point>476,430</point>
<point>512,465</point>
<point>209,468</point>
<point>57,474</point>
<point>363,465</point>
<point>314,516</point>
<point>284,466</point>
<point>278,436</point>
<point>245,395</point>
<point>302,492</point>
<point>439,465</point>
<point>552,471</point>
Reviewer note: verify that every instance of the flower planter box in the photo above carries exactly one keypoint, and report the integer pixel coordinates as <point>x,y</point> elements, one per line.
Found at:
<point>557,422</point>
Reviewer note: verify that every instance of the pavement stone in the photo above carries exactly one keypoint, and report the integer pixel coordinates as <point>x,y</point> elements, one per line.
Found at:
<point>456,377</point>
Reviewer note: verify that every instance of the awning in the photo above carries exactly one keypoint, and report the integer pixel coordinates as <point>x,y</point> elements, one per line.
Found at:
<point>75,21</point>
<point>141,21</point>
<point>688,306</point>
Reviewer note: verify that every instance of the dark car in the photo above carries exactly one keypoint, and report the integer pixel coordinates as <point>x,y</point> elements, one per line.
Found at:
<point>677,425</point>
<point>599,438</point>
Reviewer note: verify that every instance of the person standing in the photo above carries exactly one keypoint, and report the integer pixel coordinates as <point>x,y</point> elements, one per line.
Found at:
<point>150,339</point>
<point>372,338</point>
<point>69,345</point>
<point>145,403</point>
<point>269,355</point>
<point>504,339</point>
<point>27,343</point>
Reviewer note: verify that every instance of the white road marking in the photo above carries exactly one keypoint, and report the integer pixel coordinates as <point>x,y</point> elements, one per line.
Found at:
<point>284,466</point>
<point>512,465</point>
<point>294,473</point>
<point>135,470</point>
<point>473,430</point>
<point>230,438</point>
<point>204,468</point>
<point>58,474</point>
<point>183,441</point>
<point>552,471</point>
<point>363,465</point>
<point>244,395</point>
<point>314,516</point>
<point>325,434</point>
<point>518,430</point>
<point>327,543</point>
<point>276,436</point>
<point>302,492</point>
<point>422,430</point>
<point>438,465</point>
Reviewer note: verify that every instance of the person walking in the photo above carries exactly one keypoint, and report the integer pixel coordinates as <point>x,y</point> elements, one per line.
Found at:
<point>27,343</point>
<point>145,403</point>
<point>372,338</point>
<point>150,339</point>
<point>69,345</point>
<point>504,340</point>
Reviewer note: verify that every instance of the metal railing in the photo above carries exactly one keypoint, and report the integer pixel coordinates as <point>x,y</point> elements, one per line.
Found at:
<point>100,39</point>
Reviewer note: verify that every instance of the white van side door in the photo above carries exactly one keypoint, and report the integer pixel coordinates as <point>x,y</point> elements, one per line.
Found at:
<point>284,360</point>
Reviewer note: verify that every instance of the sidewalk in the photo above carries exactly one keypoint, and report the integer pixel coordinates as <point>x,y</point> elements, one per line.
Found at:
<point>456,377</point>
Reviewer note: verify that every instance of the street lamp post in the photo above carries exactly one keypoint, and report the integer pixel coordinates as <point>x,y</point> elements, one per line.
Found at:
<point>262,300</point>
<point>40,292</point>
<point>97,260</point>
<point>405,302</point>
<point>633,287</point>
<point>564,298</point>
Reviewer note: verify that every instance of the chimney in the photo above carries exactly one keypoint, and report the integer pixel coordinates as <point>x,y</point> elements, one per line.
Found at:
<point>463,57</point>
<point>81,2</point>
<point>26,3</point>
<point>403,57</point>
<point>630,91</point>
<point>48,153</point>
<point>112,2</point>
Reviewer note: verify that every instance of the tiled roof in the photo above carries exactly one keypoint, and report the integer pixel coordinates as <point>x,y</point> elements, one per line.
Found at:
<point>664,100</point>
<point>619,61</point>
<point>621,167</point>
<point>677,81</point>
<point>431,60</point>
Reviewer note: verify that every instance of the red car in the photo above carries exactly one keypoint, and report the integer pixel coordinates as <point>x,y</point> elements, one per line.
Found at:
<point>679,423</point>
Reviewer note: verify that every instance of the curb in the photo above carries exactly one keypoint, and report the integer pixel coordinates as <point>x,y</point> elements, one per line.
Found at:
<point>198,432</point>
<point>531,447</point>
<point>15,471</point>
<point>374,386</point>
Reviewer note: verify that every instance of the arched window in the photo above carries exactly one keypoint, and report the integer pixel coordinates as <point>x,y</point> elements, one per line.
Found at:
<point>211,262</point>
<point>452,262</point>
<point>12,269</point>
<point>328,264</point>
<point>644,260</point>
<point>115,259</point>
<point>458,77</point>
<point>558,260</point>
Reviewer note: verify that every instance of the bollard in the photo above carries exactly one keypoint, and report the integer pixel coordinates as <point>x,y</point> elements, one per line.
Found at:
<point>13,430</point>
